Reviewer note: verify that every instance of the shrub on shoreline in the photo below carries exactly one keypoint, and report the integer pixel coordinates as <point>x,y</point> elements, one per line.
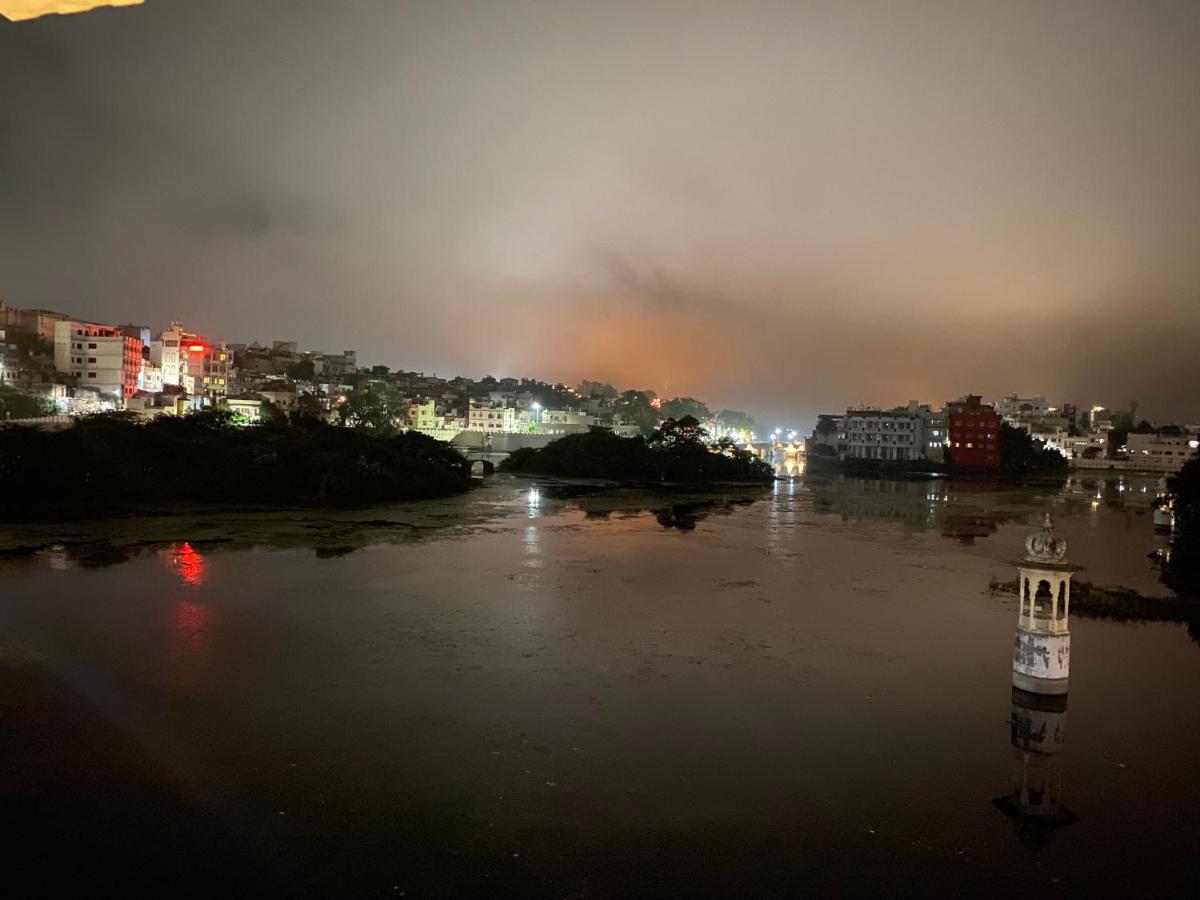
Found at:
<point>675,453</point>
<point>104,463</point>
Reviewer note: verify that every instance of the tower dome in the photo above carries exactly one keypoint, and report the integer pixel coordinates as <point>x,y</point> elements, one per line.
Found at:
<point>1044,546</point>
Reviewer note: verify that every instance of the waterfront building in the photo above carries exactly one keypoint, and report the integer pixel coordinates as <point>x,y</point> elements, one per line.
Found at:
<point>99,357</point>
<point>1160,451</point>
<point>973,433</point>
<point>893,435</point>
<point>1042,651</point>
<point>935,434</point>
<point>491,417</point>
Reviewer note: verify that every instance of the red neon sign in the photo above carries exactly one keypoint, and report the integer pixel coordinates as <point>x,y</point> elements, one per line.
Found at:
<point>196,348</point>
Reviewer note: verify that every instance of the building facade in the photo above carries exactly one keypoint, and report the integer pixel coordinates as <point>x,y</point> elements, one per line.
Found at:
<point>99,357</point>
<point>489,417</point>
<point>896,435</point>
<point>973,430</point>
<point>1160,453</point>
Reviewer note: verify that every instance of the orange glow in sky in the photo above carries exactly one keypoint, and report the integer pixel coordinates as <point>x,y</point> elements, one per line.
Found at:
<point>16,10</point>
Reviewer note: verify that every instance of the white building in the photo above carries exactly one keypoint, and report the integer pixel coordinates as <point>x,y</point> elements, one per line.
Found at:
<point>165,352</point>
<point>1013,408</point>
<point>150,378</point>
<point>99,356</point>
<point>898,435</point>
<point>484,417</point>
<point>1160,453</point>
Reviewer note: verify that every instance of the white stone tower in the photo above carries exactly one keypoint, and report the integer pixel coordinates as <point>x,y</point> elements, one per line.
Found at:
<point>1042,652</point>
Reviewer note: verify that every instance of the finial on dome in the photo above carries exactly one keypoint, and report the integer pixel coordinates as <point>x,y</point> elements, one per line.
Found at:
<point>1044,546</point>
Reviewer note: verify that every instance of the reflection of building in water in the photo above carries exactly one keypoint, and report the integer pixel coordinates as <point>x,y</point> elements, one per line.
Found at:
<point>1042,651</point>
<point>1038,734</point>
<point>789,467</point>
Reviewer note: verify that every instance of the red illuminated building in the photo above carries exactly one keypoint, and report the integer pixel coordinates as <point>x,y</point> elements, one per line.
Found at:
<point>973,429</point>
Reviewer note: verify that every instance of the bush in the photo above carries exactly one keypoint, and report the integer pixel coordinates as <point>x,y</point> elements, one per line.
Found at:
<point>602,454</point>
<point>108,461</point>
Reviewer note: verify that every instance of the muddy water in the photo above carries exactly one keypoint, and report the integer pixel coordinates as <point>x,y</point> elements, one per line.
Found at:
<point>554,691</point>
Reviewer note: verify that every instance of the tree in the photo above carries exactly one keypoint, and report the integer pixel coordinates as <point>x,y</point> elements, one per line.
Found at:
<point>674,433</point>
<point>634,407</point>
<point>302,370</point>
<point>368,409</point>
<point>735,420</point>
<point>380,371</point>
<point>681,407</point>
<point>18,404</point>
<point>1021,453</point>
<point>1186,488</point>
<point>826,425</point>
<point>308,409</point>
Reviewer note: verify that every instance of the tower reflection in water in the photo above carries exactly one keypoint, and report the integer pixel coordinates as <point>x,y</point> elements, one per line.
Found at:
<point>1041,666</point>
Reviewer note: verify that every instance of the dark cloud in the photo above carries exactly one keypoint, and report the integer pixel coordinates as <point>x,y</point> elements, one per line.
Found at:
<point>787,207</point>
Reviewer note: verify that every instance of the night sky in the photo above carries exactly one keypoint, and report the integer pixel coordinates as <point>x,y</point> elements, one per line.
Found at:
<point>784,207</point>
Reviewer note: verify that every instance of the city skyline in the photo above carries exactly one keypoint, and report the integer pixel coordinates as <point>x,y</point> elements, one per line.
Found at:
<point>786,213</point>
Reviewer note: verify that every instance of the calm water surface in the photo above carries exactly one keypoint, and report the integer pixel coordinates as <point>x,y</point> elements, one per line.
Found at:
<point>542,692</point>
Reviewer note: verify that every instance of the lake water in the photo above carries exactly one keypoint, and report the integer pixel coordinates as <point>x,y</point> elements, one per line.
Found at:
<point>534,690</point>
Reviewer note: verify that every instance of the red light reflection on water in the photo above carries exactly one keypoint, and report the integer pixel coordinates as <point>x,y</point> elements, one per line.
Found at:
<point>189,657</point>
<point>188,564</point>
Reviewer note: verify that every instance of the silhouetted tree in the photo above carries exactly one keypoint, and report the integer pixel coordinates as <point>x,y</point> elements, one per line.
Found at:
<point>302,370</point>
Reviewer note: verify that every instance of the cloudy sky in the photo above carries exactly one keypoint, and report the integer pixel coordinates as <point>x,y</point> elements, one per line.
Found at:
<point>785,207</point>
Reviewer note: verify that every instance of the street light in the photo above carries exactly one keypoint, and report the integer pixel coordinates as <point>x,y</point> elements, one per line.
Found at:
<point>537,408</point>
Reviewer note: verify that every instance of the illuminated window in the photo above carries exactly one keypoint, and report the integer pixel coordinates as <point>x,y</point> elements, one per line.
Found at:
<point>970,446</point>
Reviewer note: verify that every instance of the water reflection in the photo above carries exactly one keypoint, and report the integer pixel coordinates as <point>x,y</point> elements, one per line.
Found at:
<point>187,563</point>
<point>789,467</point>
<point>1038,733</point>
<point>190,649</point>
<point>933,504</point>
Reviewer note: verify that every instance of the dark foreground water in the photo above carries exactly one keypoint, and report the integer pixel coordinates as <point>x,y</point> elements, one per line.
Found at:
<point>527,692</point>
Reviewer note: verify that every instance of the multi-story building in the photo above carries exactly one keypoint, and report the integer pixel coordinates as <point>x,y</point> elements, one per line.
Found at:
<point>208,368</point>
<point>1014,409</point>
<point>935,435</point>
<point>99,356</point>
<point>1160,452</point>
<point>893,435</point>
<point>489,417</point>
<point>973,428</point>
<point>423,416</point>
<point>151,377</point>
<point>165,353</point>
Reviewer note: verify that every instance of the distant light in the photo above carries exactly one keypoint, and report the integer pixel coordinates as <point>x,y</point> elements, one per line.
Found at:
<point>196,348</point>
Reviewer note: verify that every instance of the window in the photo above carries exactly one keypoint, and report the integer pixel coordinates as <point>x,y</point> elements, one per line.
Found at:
<point>91,374</point>
<point>91,346</point>
<point>91,359</point>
